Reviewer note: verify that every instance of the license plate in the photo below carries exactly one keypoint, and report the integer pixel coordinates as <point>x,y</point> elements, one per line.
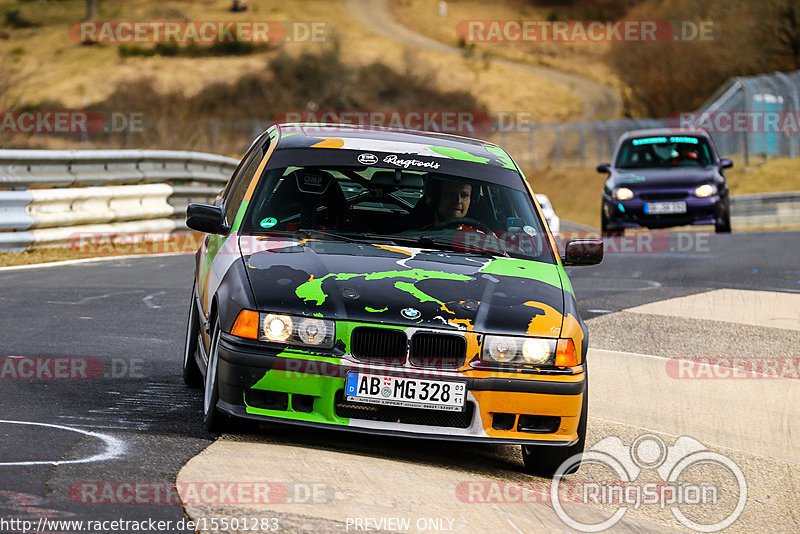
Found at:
<point>661,208</point>
<point>407,392</point>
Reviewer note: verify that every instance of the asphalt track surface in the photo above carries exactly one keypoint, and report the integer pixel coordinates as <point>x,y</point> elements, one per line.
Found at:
<point>132,419</point>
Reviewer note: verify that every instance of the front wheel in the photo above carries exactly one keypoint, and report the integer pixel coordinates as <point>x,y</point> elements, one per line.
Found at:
<point>213,419</point>
<point>191,372</point>
<point>723,224</point>
<point>604,228</point>
<point>544,460</point>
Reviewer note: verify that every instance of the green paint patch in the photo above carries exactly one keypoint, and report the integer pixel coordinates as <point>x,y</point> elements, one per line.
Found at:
<point>237,221</point>
<point>502,155</point>
<point>535,270</point>
<point>374,310</point>
<point>459,154</point>
<point>312,290</point>
<point>412,290</point>
<point>322,388</point>
<point>565,281</point>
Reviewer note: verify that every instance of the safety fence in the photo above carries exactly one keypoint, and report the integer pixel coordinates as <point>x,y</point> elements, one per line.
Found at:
<point>46,196</point>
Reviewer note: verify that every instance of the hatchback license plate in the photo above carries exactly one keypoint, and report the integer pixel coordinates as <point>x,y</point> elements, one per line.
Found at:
<point>661,208</point>
<point>406,392</point>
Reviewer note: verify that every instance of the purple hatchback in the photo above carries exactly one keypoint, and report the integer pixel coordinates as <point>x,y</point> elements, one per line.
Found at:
<point>663,178</point>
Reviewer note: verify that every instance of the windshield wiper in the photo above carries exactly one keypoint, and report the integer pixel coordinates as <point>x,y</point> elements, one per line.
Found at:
<point>307,232</point>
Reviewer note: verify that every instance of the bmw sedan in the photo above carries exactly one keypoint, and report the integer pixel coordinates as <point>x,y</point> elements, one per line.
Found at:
<point>388,282</point>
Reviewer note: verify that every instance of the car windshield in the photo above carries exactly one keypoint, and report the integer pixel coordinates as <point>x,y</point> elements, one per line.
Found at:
<point>406,207</point>
<point>664,152</point>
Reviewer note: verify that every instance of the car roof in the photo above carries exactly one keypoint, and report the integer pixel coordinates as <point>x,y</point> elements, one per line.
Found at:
<point>662,132</point>
<point>379,139</point>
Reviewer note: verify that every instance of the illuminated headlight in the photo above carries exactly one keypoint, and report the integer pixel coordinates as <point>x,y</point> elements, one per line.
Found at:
<point>623,193</point>
<point>518,350</point>
<point>705,190</point>
<point>294,330</point>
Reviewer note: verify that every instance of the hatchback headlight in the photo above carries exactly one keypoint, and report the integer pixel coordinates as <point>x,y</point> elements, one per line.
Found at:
<point>623,193</point>
<point>518,350</point>
<point>295,330</point>
<point>706,190</point>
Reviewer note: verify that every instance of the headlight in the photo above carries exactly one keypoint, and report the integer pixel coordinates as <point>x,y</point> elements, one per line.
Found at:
<point>276,327</point>
<point>312,331</point>
<point>294,330</point>
<point>705,190</point>
<point>518,350</point>
<point>623,193</point>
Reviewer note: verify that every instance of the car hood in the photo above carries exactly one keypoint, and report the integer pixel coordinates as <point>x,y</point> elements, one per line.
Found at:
<point>376,283</point>
<point>659,178</point>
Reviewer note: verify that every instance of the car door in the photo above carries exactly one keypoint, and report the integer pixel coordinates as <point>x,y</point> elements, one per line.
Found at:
<point>211,264</point>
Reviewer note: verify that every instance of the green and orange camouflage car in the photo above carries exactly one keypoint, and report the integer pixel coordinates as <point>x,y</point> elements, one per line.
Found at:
<point>389,282</point>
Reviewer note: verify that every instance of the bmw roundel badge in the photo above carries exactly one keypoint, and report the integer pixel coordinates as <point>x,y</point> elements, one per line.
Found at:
<point>410,313</point>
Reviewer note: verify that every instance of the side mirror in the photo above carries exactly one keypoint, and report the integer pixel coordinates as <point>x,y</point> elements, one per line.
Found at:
<point>583,252</point>
<point>207,219</point>
<point>603,167</point>
<point>725,163</point>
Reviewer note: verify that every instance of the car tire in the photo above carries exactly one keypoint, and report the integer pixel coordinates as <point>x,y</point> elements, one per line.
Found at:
<point>544,460</point>
<point>192,376</point>
<point>608,232</point>
<point>723,224</point>
<point>214,420</point>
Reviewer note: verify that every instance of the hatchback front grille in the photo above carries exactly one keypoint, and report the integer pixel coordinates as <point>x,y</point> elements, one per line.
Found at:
<point>669,195</point>
<point>384,345</point>
<point>430,349</point>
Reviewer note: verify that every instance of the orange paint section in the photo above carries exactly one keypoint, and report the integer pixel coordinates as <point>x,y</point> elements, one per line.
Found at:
<point>394,249</point>
<point>568,407</point>
<point>257,176</point>
<point>548,324</point>
<point>465,322</point>
<point>329,142</point>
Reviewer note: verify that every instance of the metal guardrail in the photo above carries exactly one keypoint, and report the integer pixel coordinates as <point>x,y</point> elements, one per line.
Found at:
<point>766,210</point>
<point>47,196</point>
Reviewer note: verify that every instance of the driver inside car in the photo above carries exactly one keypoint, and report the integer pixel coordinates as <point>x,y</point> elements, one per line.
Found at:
<point>445,201</point>
<point>454,199</point>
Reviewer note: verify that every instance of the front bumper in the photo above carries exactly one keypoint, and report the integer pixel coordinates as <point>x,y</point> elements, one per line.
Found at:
<point>259,382</point>
<point>631,213</point>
